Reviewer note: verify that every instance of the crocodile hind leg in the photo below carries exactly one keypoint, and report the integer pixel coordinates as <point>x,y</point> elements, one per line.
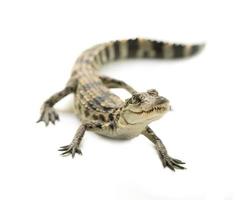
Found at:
<point>114,83</point>
<point>48,113</point>
<point>167,161</point>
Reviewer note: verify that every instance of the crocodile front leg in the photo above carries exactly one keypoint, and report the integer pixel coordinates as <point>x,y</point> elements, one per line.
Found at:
<point>167,161</point>
<point>73,147</point>
<point>48,113</point>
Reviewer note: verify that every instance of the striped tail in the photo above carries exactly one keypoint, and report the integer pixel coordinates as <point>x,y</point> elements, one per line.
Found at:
<point>136,48</point>
<point>143,48</point>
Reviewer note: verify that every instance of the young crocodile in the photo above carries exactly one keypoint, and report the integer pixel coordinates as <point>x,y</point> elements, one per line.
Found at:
<point>105,113</point>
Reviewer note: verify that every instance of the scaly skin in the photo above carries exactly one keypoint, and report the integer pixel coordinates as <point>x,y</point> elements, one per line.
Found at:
<point>105,113</point>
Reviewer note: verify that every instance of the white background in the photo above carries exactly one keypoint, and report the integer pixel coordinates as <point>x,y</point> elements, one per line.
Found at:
<point>39,42</point>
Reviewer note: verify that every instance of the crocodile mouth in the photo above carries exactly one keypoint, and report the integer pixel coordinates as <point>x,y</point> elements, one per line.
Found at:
<point>155,109</point>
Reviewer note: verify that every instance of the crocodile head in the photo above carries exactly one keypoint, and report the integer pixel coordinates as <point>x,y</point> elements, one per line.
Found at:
<point>143,108</point>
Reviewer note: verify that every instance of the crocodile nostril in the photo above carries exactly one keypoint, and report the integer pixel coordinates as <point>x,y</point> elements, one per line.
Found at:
<point>162,100</point>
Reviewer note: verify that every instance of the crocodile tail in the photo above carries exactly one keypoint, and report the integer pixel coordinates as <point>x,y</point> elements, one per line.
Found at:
<point>136,48</point>
<point>144,48</point>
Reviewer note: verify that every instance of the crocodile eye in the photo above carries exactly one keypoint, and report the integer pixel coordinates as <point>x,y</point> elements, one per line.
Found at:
<point>153,92</point>
<point>135,99</point>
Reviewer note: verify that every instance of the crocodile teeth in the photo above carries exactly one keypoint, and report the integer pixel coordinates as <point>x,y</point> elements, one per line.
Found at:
<point>153,109</point>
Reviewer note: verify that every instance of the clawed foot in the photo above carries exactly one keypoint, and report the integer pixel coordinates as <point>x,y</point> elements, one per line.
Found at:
<point>168,161</point>
<point>70,149</point>
<point>171,163</point>
<point>48,115</point>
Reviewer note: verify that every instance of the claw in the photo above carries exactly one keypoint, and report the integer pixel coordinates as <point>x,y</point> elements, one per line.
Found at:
<point>65,146</point>
<point>40,119</point>
<point>61,149</point>
<point>73,152</point>
<point>170,166</point>
<point>162,158</point>
<point>178,161</point>
<point>48,115</point>
<point>52,119</point>
<point>65,153</point>
<point>79,151</point>
<point>170,162</point>
<point>57,117</point>
<point>46,123</point>
<point>70,149</point>
<point>178,166</point>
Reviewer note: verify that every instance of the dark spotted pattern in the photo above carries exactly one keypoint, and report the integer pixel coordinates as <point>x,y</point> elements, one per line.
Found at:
<point>86,112</point>
<point>91,104</point>
<point>96,102</point>
<point>178,50</point>
<point>98,125</point>
<point>102,118</point>
<point>133,45</point>
<point>113,125</point>
<point>116,49</point>
<point>79,106</point>
<point>158,47</point>
<point>95,117</point>
<point>107,52</point>
<point>110,117</point>
<point>117,116</point>
<point>107,109</point>
<point>100,57</point>
<point>195,49</point>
